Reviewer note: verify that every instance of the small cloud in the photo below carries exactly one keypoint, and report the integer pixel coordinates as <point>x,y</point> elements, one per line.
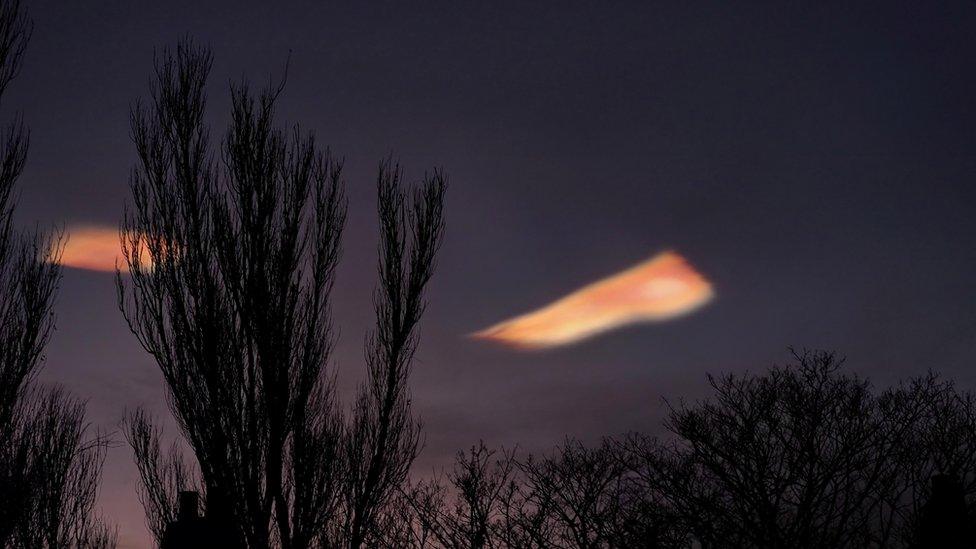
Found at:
<point>658,289</point>
<point>94,248</point>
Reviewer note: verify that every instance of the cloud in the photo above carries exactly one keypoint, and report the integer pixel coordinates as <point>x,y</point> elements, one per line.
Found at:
<point>94,248</point>
<point>658,289</point>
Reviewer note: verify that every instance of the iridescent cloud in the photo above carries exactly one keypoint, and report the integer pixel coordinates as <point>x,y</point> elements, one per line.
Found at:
<point>660,288</point>
<point>94,248</point>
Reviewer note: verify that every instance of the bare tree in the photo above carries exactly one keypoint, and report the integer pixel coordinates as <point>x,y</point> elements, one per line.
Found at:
<point>15,32</point>
<point>164,474</point>
<point>466,511</point>
<point>49,465</point>
<point>576,497</point>
<point>809,456</point>
<point>937,422</point>
<point>231,267</point>
<point>797,457</point>
<point>384,436</point>
<point>27,280</point>
<point>804,455</point>
<point>64,467</point>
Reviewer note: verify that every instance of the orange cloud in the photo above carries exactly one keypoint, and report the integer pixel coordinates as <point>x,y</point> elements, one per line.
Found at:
<point>94,248</point>
<point>660,288</point>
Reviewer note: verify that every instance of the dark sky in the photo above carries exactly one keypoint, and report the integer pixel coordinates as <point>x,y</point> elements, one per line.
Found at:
<point>816,164</point>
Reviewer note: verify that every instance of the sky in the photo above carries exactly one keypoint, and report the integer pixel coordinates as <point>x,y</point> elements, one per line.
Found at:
<point>815,164</point>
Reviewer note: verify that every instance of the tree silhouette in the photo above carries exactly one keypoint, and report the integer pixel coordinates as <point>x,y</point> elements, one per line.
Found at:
<point>231,267</point>
<point>937,461</point>
<point>49,466</point>
<point>163,476</point>
<point>384,437</point>
<point>804,455</point>
<point>62,473</point>
<point>808,456</point>
<point>577,497</point>
<point>480,484</point>
<point>794,458</point>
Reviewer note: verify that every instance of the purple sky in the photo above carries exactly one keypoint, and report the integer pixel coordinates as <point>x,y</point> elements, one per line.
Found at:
<point>818,166</point>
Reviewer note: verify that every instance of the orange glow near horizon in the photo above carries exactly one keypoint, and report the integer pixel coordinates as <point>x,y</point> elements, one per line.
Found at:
<point>94,248</point>
<point>658,289</point>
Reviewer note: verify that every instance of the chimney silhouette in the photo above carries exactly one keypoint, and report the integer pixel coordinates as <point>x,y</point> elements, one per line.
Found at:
<point>192,531</point>
<point>945,521</point>
<point>189,506</point>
